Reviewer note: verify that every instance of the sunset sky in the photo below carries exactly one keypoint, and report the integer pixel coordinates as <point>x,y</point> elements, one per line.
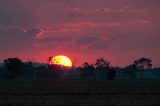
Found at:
<point>118,30</point>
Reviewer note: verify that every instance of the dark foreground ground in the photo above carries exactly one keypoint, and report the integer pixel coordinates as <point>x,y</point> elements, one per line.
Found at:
<point>80,93</point>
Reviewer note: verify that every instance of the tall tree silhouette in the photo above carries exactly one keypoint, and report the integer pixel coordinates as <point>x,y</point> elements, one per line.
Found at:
<point>14,67</point>
<point>102,66</point>
<point>143,64</point>
<point>50,59</point>
<point>102,63</point>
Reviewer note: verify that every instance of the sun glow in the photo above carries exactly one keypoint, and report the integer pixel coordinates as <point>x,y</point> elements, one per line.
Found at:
<point>61,60</point>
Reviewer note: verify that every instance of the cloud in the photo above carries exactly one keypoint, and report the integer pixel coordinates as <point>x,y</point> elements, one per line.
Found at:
<point>103,10</point>
<point>87,43</point>
<point>53,41</point>
<point>73,12</point>
<point>17,38</point>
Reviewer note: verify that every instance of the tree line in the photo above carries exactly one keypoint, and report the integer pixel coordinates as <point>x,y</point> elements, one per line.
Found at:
<point>14,68</point>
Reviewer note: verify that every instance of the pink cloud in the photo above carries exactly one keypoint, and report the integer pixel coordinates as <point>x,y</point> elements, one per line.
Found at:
<point>103,10</point>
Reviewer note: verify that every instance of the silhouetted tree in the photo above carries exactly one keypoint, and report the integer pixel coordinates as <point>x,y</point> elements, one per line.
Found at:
<point>143,64</point>
<point>102,63</point>
<point>50,59</point>
<point>14,67</point>
<point>102,66</point>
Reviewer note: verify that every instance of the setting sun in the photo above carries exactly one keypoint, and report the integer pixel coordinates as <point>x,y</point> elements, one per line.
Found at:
<point>61,60</point>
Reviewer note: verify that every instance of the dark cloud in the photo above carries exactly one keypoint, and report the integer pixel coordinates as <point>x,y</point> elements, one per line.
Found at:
<point>17,38</point>
<point>104,10</point>
<point>92,43</point>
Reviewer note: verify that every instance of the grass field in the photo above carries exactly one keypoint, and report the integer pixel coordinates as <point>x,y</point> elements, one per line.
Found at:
<point>80,93</point>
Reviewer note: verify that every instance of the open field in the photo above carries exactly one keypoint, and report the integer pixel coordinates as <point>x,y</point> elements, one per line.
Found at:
<point>80,93</point>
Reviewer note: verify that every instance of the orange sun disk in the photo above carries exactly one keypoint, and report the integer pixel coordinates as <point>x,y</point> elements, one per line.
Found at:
<point>61,60</point>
